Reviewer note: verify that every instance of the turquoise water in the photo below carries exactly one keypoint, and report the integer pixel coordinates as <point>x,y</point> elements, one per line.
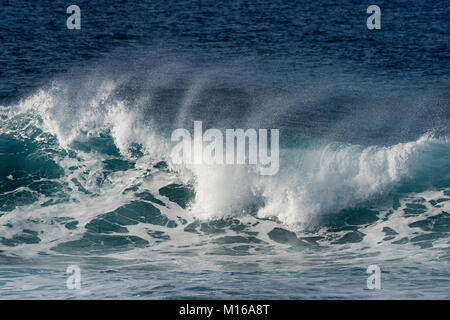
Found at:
<point>138,228</point>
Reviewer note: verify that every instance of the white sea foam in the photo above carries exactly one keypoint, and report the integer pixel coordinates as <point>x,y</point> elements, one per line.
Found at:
<point>313,181</point>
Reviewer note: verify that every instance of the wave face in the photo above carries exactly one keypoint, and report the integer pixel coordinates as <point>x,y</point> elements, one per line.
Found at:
<point>86,177</point>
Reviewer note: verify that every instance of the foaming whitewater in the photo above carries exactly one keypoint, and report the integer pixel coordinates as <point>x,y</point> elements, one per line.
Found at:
<point>86,177</point>
<point>315,179</point>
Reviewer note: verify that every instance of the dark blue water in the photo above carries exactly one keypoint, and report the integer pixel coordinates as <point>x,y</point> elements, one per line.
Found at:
<point>85,175</point>
<point>413,41</point>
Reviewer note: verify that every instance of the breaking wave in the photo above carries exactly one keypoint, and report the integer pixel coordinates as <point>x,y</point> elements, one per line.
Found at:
<point>86,171</point>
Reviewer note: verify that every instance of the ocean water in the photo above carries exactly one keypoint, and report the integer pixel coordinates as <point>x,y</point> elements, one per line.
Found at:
<point>86,177</point>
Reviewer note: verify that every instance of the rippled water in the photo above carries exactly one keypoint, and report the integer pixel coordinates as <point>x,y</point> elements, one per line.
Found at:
<point>86,177</point>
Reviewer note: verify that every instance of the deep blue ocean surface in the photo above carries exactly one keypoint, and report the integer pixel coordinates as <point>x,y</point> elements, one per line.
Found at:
<point>86,177</point>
